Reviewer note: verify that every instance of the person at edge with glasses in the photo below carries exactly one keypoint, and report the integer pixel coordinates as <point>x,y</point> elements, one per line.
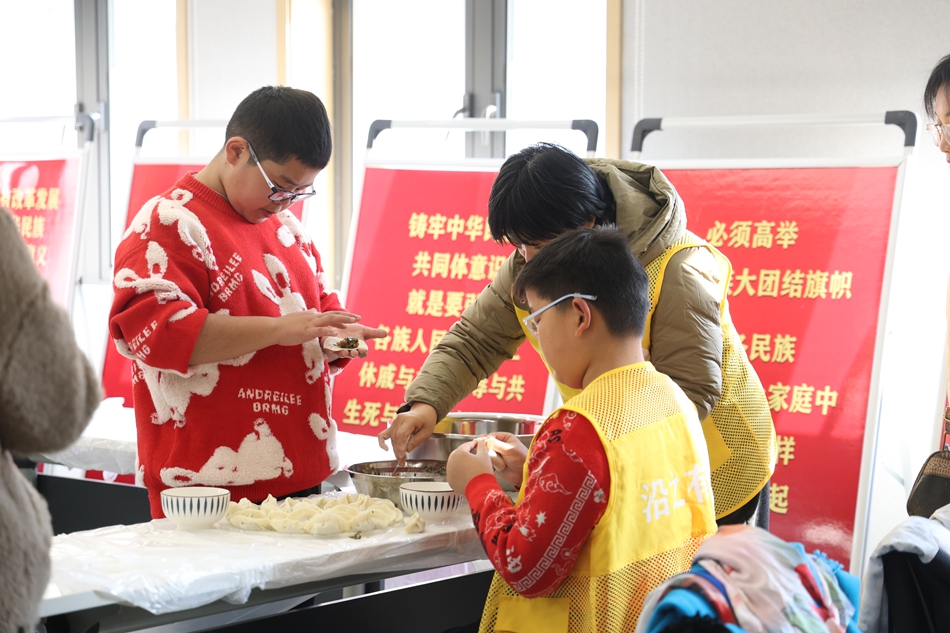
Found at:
<point>937,107</point>
<point>222,304</point>
<point>545,190</point>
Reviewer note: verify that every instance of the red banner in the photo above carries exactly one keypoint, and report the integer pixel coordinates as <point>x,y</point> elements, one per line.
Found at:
<point>148,180</point>
<point>422,253</point>
<point>42,195</point>
<point>808,250</point>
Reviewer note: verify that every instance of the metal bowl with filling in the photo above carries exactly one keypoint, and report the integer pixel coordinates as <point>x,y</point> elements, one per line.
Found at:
<point>458,428</point>
<point>376,478</point>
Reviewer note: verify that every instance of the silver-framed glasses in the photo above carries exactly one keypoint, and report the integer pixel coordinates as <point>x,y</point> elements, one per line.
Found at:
<point>532,325</point>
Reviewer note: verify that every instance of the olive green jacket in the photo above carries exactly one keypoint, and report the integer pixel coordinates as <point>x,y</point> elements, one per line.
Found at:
<point>685,330</point>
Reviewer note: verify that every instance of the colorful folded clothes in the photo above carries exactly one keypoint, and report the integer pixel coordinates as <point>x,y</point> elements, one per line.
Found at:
<point>745,579</point>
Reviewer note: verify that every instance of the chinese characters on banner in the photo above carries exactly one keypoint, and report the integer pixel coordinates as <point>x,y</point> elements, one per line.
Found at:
<point>149,179</point>
<point>808,250</point>
<point>42,196</point>
<point>422,253</point>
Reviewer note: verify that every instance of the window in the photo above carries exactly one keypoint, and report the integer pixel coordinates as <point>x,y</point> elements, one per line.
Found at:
<point>557,51</point>
<point>408,63</point>
<point>143,85</point>
<point>39,78</point>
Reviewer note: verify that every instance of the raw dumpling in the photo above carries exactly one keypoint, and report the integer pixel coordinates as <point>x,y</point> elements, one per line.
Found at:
<point>288,526</point>
<point>315,515</point>
<point>415,524</point>
<point>304,512</point>
<point>253,524</point>
<point>327,523</point>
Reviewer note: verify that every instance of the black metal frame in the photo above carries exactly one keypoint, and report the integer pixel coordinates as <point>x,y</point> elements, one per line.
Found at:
<point>904,119</point>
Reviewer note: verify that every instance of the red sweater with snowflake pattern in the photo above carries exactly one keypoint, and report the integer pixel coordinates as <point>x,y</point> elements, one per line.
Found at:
<point>516,537</point>
<point>259,424</point>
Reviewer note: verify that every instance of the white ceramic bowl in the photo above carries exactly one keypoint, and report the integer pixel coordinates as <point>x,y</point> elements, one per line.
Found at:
<point>195,507</point>
<point>433,500</point>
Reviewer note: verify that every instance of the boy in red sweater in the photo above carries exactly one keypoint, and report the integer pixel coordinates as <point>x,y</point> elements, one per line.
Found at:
<point>221,301</point>
<point>614,491</point>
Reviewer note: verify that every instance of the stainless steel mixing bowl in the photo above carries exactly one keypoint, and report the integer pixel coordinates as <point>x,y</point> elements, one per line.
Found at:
<point>376,478</point>
<point>459,428</point>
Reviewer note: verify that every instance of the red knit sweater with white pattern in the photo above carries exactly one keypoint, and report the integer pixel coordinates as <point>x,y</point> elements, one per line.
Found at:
<point>258,424</point>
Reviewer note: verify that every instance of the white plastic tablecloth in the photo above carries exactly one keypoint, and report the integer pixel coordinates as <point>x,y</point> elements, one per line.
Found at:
<point>161,569</point>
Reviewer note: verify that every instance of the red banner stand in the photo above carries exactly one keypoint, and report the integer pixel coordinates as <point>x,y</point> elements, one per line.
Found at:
<point>809,248</point>
<point>43,195</point>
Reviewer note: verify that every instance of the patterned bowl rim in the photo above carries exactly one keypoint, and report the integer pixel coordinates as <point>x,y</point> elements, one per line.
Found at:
<point>195,492</point>
<point>441,487</point>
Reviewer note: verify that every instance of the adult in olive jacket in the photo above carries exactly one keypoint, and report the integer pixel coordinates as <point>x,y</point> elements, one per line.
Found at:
<point>545,190</point>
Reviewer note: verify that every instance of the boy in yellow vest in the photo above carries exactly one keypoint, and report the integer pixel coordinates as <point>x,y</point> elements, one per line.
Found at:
<point>614,490</point>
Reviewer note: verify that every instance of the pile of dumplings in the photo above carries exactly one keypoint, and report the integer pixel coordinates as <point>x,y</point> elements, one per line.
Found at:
<point>320,515</point>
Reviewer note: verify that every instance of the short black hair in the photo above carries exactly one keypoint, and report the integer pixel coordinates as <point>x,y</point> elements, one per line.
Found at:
<point>544,190</point>
<point>939,80</point>
<point>284,123</point>
<point>596,261</point>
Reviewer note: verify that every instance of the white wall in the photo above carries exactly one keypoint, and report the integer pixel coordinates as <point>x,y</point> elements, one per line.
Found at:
<point>752,57</point>
<point>765,57</point>
<point>232,51</point>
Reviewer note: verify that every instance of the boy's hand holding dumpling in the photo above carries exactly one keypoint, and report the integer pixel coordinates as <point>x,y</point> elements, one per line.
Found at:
<point>464,465</point>
<point>509,458</point>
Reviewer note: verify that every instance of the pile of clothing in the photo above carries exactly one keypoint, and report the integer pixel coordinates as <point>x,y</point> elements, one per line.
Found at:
<point>745,579</point>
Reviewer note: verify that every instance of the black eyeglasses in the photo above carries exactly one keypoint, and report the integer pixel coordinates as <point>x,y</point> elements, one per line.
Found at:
<point>279,195</point>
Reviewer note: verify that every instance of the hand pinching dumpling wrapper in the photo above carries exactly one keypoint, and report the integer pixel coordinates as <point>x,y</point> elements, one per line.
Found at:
<point>492,443</point>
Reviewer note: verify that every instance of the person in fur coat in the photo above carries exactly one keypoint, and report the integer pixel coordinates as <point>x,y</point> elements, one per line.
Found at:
<point>48,392</point>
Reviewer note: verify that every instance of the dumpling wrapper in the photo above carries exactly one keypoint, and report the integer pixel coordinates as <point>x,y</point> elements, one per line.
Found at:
<point>364,522</point>
<point>252,524</point>
<point>270,502</point>
<point>304,512</point>
<point>327,523</point>
<point>288,526</point>
<point>318,515</point>
<point>415,524</point>
<point>348,512</point>
<point>248,512</point>
<point>274,515</point>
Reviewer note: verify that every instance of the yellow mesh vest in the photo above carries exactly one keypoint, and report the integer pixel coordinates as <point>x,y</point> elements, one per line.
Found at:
<point>659,510</point>
<point>739,431</point>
